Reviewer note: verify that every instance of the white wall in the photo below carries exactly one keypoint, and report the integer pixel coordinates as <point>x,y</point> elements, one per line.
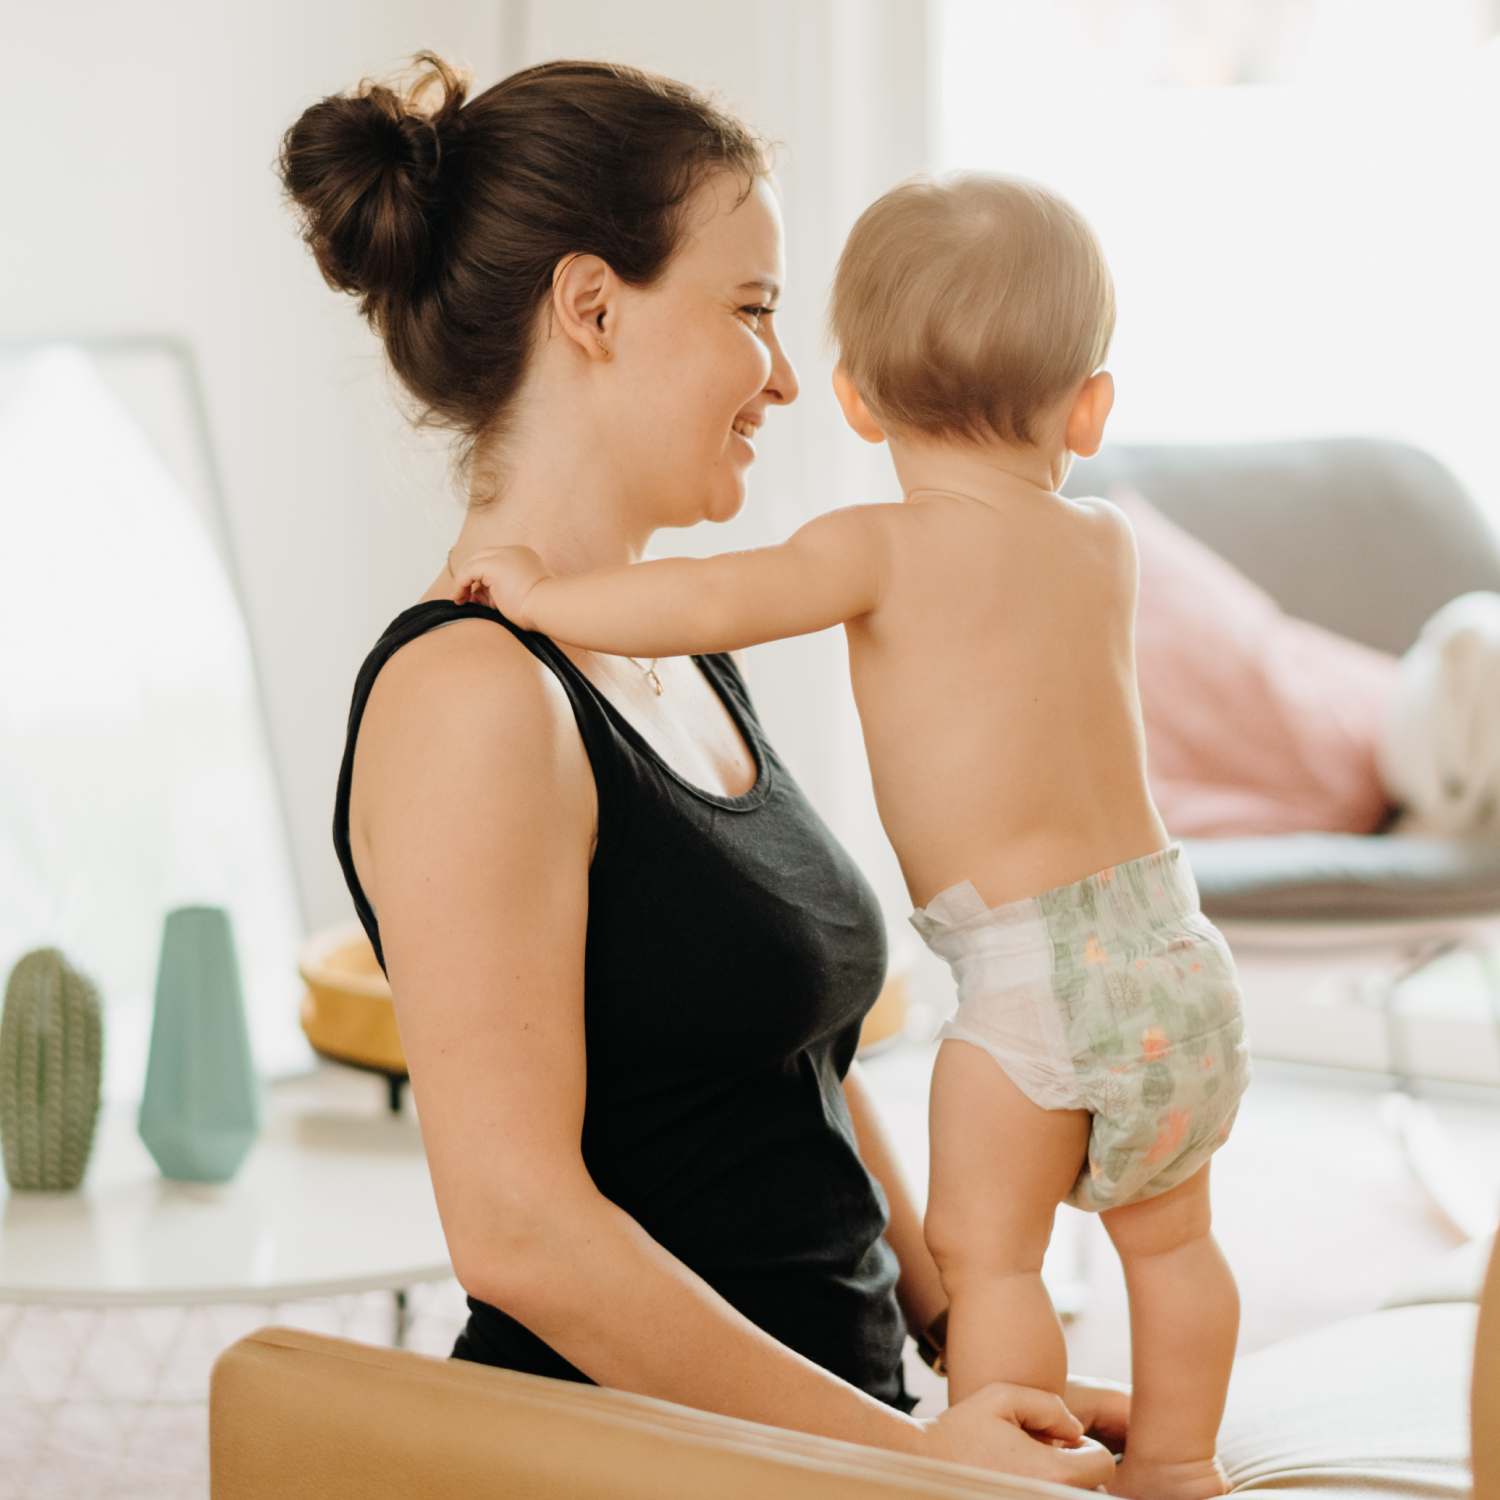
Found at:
<point>136,170</point>
<point>136,152</point>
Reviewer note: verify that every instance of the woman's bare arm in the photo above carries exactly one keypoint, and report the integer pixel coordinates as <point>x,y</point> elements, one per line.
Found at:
<point>828,572</point>
<point>473,828</point>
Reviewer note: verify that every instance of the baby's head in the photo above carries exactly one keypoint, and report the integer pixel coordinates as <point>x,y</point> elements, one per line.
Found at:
<point>971,308</point>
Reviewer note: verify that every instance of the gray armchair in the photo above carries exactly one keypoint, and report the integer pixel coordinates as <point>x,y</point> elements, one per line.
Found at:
<point>1367,538</point>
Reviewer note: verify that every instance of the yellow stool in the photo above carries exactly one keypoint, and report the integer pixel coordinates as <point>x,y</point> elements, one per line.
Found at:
<point>347,1012</point>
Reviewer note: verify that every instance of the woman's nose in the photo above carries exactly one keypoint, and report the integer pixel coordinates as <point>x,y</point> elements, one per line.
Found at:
<point>783,385</point>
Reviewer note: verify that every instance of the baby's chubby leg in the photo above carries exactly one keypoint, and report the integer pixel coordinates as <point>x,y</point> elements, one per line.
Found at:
<point>1184,1319</point>
<point>1000,1167</point>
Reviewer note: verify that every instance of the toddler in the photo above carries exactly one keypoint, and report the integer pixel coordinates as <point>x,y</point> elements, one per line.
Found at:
<point>1097,1055</point>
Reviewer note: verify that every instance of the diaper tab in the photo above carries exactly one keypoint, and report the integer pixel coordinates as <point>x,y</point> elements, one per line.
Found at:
<point>951,908</point>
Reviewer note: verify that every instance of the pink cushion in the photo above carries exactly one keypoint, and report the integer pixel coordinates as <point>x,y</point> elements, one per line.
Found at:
<point>1255,722</point>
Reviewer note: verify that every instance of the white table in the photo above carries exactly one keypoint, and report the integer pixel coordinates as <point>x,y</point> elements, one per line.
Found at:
<point>115,1299</point>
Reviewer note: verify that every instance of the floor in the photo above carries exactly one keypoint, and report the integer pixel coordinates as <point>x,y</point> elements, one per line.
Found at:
<point>1314,1205</point>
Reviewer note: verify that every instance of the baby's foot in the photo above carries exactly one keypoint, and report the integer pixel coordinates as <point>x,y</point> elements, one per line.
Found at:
<point>1142,1479</point>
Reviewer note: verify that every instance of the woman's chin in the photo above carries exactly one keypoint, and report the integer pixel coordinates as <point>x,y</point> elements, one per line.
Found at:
<point>725,500</point>
<point>720,500</point>
<point>726,508</point>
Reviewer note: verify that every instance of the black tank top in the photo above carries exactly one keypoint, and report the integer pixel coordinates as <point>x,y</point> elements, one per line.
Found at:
<point>733,949</point>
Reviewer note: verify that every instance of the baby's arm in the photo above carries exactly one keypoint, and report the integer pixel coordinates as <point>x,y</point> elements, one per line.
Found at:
<point>828,572</point>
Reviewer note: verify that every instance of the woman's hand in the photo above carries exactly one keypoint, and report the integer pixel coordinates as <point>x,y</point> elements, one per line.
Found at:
<point>1103,1406</point>
<point>501,577</point>
<point>1013,1429</point>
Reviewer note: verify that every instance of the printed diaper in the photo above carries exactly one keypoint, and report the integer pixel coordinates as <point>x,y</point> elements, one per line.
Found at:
<point>1115,995</point>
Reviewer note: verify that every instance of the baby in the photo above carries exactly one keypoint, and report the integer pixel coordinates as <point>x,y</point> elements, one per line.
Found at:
<point>1097,1055</point>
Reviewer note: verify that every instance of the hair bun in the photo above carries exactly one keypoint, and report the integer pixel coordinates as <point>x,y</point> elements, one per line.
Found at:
<point>365,171</point>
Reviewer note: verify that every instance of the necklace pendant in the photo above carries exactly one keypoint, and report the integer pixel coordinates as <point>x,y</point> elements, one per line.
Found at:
<point>648,671</point>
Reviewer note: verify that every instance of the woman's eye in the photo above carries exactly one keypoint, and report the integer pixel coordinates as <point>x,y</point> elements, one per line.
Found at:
<point>755,314</point>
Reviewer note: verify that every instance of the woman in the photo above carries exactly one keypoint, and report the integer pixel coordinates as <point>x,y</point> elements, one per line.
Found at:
<point>628,961</point>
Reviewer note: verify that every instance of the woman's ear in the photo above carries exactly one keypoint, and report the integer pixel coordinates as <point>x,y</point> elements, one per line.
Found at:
<point>856,413</point>
<point>1091,408</point>
<point>585,295</point>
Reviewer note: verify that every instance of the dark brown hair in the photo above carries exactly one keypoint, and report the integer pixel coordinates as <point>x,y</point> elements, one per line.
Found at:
<point>447,219</point>
<point>970,307</point>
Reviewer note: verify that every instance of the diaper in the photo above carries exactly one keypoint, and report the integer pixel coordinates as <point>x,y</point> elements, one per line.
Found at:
<point>1115,995</point>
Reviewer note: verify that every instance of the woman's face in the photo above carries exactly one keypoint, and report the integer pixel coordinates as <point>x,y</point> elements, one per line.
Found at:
<point>697,363</point>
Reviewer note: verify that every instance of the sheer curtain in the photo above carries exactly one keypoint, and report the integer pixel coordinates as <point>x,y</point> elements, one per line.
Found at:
<point>1300,200</point>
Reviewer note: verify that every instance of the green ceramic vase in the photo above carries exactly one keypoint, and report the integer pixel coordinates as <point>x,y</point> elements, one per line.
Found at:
<point>51,1057</point>
<point>201,1109</point>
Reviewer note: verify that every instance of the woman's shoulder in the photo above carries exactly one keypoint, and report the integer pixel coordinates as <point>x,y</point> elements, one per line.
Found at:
<point>462,756</point>
<point>436,649</point>
<point>437,686</point>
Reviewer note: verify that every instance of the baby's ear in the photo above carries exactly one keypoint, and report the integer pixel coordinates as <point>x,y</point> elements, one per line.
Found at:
<point>856,413</point>
<point>1091,409</point>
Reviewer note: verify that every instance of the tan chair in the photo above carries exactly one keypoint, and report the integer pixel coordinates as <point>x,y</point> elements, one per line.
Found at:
<point>1484,1397</point>
<point>300,1416</point>
<point>1375,1406</point>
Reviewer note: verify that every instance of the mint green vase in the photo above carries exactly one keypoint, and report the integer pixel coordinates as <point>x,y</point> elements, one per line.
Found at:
<point>201,1109</point>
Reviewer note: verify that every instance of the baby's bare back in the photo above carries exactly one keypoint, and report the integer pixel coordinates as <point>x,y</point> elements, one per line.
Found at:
<point>996,685</point>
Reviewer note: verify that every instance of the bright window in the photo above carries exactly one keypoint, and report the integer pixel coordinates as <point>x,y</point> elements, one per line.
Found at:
<point>1310,250</point>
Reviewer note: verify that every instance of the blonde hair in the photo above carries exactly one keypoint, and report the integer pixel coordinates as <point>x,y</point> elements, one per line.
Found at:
<point>969,307</point>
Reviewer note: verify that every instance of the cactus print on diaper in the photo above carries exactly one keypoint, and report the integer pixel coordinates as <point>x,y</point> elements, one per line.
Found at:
<point>1115,995</point>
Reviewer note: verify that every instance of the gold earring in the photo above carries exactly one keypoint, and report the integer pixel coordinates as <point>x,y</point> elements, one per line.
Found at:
<point>604,348</point>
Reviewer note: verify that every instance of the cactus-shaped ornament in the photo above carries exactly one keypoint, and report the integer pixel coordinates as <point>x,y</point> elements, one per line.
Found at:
<point>201,1109</point>
<point>51,1058</point>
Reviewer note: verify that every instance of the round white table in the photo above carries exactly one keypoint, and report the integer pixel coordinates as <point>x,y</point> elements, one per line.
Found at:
<point>331,1199</point>
<point>115,1300</point>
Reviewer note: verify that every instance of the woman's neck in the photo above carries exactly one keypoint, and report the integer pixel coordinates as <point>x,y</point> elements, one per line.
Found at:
<point>564,500</point>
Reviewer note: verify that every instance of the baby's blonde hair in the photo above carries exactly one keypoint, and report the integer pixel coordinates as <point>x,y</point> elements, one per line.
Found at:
<point>969,307</point>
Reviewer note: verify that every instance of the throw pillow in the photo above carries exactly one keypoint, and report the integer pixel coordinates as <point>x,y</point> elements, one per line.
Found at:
<point>1256,723</point>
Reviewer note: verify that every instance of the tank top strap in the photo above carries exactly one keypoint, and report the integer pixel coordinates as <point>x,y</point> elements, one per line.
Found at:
<point>600,738</point>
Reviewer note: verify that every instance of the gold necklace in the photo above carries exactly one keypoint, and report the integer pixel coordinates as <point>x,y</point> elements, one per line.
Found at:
<point>650,672</point>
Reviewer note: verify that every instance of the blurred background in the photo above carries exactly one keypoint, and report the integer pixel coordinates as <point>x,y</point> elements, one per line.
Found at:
<point>1300,200</point>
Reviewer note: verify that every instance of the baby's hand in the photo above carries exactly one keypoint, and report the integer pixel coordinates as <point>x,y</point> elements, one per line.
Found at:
<point>501,577</point>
